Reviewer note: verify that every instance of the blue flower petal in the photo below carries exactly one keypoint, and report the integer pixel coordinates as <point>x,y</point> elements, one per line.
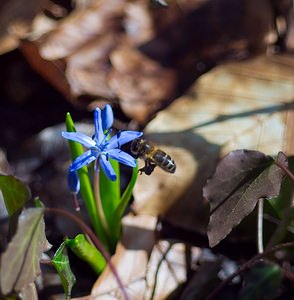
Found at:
<point>107,167</point>
<point>80,138</point>
<point>99,135</point>
<point>122,138</point>
<point>107,117</point>
<point>83,160</point>
<point>122,157</point>
<point>73,181</point>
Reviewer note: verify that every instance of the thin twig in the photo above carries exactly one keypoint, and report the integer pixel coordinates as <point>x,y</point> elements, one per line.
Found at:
<point>164,254</point>
<point>260,225</point>
<point>288,274</point>
<point>87,230</point>
<point>244,267</point>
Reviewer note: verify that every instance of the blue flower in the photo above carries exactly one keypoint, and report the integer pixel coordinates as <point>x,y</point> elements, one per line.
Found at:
<point>100,146</point>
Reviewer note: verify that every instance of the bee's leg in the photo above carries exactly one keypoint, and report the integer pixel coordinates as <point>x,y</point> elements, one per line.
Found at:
<point>148,168</point>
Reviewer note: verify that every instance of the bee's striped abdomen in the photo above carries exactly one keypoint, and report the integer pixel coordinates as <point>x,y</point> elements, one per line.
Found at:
<point>164,161</point>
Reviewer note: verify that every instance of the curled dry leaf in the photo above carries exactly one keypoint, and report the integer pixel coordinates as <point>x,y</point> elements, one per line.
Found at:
<point>142,84</point>
<point>15,21</point>
<point>138,22</point>
<point>80,27</point>
<point>88,69</point>
<point>53,72</point>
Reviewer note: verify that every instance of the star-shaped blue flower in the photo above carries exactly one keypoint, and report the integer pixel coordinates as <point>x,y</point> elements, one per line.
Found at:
<point>100,146</point>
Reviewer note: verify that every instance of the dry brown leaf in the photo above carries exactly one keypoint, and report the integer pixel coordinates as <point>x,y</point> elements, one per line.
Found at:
<point>144,267</point>
<point>143,56</point>
<point>53,72</point>
<point>88,70</point>
<point>142,84</point>
<point>239,105</point>
<point>15,20</point>
<point>130,260</point>
<point>167,269</point>
<point>138,22</point>
<point>80,27</point>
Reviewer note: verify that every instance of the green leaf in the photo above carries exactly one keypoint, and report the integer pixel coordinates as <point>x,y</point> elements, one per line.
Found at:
<point>21,258</point>
<point>120,209</point>
<point>87,252</point>
<point>61,263</point>
<point>110,191</point>
<point>15,193</point>
<point>86,188</point>
<point>261,281</point>
<point>240,180</point>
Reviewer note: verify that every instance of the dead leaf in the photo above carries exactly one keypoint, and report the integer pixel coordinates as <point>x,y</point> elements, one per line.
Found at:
<point>145,268</point>
<point>138,22</point>
<point>142,84</point>
<point>15,20</point>
<point>164,188</point>
<point>166,269</point>
<point>130,260</point>
<point>53,72</point>
<point>80,27</point>
<point>88,70</point>
<point>176,41</point>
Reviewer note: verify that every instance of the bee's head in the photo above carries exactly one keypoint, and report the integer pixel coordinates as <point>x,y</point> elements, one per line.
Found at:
<point>136,146</point>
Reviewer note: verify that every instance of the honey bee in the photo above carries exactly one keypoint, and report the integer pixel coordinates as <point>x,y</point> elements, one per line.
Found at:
<point>152,156</point>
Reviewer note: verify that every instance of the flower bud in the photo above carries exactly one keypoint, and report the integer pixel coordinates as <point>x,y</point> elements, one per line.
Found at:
<point>73,182</point>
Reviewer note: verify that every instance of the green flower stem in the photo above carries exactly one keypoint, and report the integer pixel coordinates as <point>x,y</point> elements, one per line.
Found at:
<point>86,229</point>
<point>99,203</point>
